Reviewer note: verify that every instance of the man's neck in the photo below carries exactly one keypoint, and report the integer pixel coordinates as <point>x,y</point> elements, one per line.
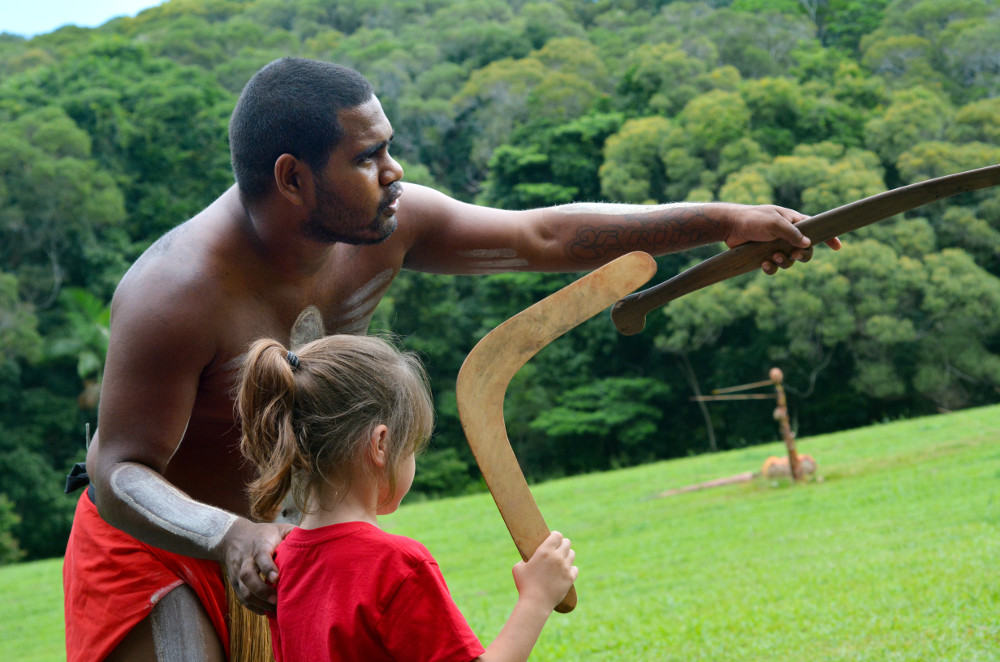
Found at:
<point>275,234</point>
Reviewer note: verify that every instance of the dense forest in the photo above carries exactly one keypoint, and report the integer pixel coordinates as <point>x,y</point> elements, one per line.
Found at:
<point>111,136</point>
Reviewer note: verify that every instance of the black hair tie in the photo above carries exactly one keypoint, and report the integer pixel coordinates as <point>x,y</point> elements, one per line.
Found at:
<point>293,360</point>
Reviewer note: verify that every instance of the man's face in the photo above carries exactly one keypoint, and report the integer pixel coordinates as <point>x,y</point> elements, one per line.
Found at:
<point>356,193</point>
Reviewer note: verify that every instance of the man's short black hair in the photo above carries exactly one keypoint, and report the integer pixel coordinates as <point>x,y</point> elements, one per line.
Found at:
<point>290,106</point>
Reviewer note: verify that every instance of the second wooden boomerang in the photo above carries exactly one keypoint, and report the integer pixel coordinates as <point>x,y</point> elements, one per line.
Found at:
<point>489,367</point>
<point>629,314</point>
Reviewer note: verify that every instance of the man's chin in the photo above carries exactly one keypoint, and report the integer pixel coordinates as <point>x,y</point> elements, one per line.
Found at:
<point>386,228</point>
<point>376,233</point>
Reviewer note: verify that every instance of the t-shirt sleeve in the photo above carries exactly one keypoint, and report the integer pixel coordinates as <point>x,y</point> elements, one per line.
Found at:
<point>423,624</point>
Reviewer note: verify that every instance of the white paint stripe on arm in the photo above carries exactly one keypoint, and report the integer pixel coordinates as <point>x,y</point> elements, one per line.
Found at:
<point>166,507</point>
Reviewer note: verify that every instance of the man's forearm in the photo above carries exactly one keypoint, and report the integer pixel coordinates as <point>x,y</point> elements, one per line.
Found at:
<point>605,231</point>
<point>148,507</point>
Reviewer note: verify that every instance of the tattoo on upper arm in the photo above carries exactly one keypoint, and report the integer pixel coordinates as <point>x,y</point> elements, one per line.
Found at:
<point>681,226</point>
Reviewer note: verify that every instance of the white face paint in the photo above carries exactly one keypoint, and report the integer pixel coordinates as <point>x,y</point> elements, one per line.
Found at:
<point>493,260</point>
<point>166,507</point>
<point>360,306</point>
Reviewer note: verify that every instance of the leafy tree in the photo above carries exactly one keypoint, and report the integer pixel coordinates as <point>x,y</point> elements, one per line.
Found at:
<point>18,323</point>
<point>695,322</point>
<point>971,50</point>
<point>756,44</point>
<point>814,178</point>
<point>936,42</point>
<point>633,169</point>
<point>710,122</point>
<point>60,214</point>
<point>36,490</point>
<point>160,127</point>
<point>9,521</point>
<point>544,21</point>
<point>521,179</point>
<point>490,105</point>
<point>936,158</point>
<point>978,121</point>
<point>915,115</point>
<point>662,77</point>
<point>611,422</point>
<point>957,361</point>
<point>575,150</point>
<point>902,60</point>
<point>845,22</point>
<point>557,165</point>
<point>87,329</point>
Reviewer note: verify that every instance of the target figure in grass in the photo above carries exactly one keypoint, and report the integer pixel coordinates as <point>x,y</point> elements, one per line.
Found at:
<point>337,425</point>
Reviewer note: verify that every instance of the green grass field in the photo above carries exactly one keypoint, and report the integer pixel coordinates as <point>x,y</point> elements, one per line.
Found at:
<point>892,555</point>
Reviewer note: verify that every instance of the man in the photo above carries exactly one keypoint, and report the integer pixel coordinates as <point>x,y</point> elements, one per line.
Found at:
<point>318,217</point>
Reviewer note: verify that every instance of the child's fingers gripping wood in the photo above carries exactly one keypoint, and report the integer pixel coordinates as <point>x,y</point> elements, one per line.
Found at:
<point>548,575</point>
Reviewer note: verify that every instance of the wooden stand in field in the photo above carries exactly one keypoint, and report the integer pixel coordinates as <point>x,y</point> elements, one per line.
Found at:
<point>781,415</point>
<point>780,412</point>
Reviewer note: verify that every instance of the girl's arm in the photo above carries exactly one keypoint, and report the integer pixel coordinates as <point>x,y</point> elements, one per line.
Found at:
<point>542,582</point>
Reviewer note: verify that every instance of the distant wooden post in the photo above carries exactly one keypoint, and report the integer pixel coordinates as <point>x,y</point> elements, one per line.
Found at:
<point>781,415</point>
<point>780,412</point>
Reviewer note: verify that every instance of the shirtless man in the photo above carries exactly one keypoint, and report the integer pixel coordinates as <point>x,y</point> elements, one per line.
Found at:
<point>318,216</point>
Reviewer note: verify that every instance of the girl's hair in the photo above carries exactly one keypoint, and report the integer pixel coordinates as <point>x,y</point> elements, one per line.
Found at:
<point>310,424</point>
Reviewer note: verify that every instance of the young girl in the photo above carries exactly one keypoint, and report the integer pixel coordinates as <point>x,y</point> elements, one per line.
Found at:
<point>337,425</point>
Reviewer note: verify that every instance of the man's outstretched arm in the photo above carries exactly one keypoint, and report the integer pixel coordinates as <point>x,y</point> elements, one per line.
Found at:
<point>453,237</point>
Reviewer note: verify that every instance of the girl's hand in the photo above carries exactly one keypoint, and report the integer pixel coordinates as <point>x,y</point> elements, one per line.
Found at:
<point>548,575</point>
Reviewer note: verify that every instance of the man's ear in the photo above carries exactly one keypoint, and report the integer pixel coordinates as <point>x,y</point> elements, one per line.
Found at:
<point>294,180</point>
<point>378,445</point>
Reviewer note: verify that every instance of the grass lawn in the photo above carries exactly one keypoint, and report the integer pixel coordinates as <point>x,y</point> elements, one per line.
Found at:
<point>892,555</point>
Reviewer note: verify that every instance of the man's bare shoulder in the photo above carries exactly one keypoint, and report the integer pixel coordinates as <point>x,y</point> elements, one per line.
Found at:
<point>418,203</point>
<point>165,278</point>
<point>185,267</point>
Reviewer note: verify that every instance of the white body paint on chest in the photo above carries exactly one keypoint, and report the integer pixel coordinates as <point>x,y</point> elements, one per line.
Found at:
<point>493,260</point>
<point>359,307</point>
<point>165,506</point>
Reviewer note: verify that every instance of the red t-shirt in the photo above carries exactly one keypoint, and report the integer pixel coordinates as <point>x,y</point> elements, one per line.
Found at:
<point>352,592</point>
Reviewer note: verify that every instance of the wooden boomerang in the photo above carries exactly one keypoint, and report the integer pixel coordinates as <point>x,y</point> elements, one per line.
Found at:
<point>489,367</point>
<point>629,314</point>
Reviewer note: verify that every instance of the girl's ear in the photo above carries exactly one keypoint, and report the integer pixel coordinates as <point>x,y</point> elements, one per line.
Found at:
<point>378,445</point>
